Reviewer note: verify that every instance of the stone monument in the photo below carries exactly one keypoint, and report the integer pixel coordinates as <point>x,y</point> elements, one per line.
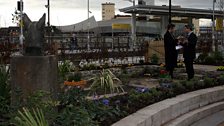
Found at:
<point>33,71</point>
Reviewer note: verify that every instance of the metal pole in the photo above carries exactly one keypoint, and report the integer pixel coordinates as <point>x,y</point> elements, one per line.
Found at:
<point>213,27</point>
<point>48,23</point>
<point>48,11</point>
<point>133,27</point>
<point>222,30</point>
<point>88,46</point>
<point>170,5</point>
<point>21,24</point>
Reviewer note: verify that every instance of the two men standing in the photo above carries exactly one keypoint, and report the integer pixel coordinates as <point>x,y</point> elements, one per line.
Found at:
<point>189,49</point>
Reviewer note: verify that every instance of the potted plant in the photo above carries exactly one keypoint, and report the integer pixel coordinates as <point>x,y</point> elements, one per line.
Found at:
<point>75,80</point>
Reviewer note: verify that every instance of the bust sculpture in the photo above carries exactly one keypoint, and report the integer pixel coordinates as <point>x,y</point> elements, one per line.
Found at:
<point>34,36</point>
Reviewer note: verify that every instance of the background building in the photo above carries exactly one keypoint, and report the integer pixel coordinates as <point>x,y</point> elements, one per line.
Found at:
<point>146,2</point>
<point>108,11</point>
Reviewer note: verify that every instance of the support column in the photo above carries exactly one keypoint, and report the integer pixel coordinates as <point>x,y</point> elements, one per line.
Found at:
<point>190,22</point>
<point>133,30</point>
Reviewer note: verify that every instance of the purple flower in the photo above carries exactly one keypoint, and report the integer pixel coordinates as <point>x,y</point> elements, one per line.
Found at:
<point>106,101</point>
<point>142,89</point>
<point>166,85</point>
<point>117,102</point>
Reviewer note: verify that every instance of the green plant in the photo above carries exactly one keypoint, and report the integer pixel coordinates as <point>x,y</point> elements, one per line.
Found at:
<point>74,96</point>
<point>42,100</point>
<point>105,115</point>
<point>64,68</point>
<point>107,82</point>
<point>218,56</point>
<point>76,76</point>
<point>4,86</point>
<point>141,61</point>
<point>220,80</point>
<point>74,116</point>
<point>154,59</point>
<point>201,57</point>
<point>4,91</point>
<point>190,85</point>
<point>209,82</point>
<point>200,84</point>
<point>105,66</point>
<point>210,60</point>
<point>26,118</point>
<point>178,88</point>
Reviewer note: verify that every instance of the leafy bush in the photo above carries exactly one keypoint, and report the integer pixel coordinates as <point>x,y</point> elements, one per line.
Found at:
<point>141,61</point>
<point>64,68</point>
<point>178,88</point>
<point>210,60</point>
<point>218,56</point>
<point>201,57</point>
<point>200,84</point>
<point>209,82</point>
<point>220,80</point>
<point>214,58</point>
<point>74,116</point>
<point>76,76</point>
<point>74,96</point>
<point>5,95</point>
<point>154,59</point>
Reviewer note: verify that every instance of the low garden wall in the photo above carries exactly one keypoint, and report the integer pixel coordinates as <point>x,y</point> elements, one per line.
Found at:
<point>162,112</point>
<point>116,71</point>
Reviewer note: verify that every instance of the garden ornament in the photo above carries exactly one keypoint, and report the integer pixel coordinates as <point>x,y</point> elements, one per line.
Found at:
<point>34,36</point>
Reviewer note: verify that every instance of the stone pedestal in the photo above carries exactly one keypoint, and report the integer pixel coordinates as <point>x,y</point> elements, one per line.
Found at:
<point>32,73</point>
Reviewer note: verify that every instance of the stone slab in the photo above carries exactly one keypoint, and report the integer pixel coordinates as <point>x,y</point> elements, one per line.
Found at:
<point>32,73</point>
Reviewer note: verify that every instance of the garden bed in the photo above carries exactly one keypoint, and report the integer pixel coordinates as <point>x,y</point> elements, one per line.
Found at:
<point>142,86</point>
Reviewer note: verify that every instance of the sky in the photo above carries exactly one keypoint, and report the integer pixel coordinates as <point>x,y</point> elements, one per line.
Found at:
<point>66,12</point>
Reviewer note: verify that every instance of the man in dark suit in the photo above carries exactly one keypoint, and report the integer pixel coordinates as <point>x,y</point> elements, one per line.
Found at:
<point>170,49</point>
<point>189,53</point>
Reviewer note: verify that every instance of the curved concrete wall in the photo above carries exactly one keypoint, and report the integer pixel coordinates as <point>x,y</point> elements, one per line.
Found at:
<point>204,116</point>
<point>162,112</point>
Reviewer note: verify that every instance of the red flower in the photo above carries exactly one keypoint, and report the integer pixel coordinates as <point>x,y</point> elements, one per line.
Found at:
<point>163,72</point>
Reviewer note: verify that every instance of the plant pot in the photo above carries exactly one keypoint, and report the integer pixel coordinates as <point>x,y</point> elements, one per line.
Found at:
<point>81,83</point>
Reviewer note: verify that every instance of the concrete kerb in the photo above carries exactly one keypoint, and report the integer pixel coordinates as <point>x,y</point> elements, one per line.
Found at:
<point>196,115</point>
<point>167,110</point>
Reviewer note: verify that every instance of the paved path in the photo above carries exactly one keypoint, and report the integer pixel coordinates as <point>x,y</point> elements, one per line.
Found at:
<point>205,67</point>
<point>213,120</point>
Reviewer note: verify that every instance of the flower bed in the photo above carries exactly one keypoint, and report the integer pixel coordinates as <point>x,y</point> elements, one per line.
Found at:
<point>81,83</point>
<point>73,108</point>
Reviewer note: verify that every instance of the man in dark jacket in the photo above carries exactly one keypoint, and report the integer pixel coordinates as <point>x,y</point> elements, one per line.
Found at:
<point>170,49</point>
<point>189,53</point>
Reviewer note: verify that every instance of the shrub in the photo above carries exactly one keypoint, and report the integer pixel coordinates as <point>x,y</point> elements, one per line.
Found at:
<point>209,82</point>
<point>201,57</point>
<point>218,56</point>
<point>141,61</point>
<point>154,59</point>
<point>76,76</point>
<point>4,93</point>
<point>74,116</point>
<point>178,88</point>
<point>64,68</point>
<point>190,85</point>
<point>200,84</point>
<point>210,60</point>
<point>220,80</point>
